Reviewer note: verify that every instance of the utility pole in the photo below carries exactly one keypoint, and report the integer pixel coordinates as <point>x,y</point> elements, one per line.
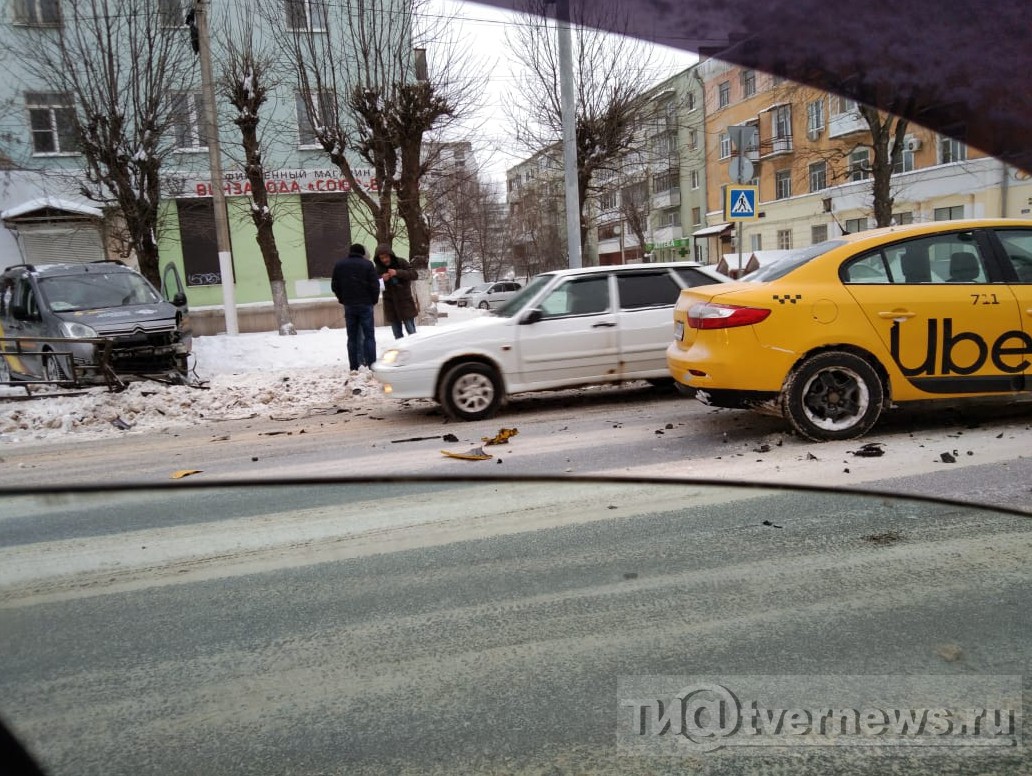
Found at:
<point>573,239</point>
<point>215,160</point>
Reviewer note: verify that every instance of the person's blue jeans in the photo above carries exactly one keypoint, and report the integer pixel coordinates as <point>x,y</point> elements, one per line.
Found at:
<point>410,327</point>
<point>358,319</point>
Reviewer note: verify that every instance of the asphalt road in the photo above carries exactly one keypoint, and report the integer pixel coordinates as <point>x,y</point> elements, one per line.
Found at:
<point>489,630</point>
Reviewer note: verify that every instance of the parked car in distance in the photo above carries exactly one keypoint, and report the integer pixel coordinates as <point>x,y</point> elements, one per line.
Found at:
<point>56,321</point>
<point>565,328</point>
<point>830,337</point>
<point>488,296</point>
<point>456,295</point>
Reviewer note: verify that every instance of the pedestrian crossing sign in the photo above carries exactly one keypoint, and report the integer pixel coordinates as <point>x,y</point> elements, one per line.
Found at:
<point>740,203</point>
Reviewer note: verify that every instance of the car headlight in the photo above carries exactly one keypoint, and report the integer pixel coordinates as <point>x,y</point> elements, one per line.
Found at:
<point>77,330</point>
<point>394,357</point>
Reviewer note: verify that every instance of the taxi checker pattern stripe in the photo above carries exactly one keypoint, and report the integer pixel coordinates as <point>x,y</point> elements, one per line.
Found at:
<point>790,298</point>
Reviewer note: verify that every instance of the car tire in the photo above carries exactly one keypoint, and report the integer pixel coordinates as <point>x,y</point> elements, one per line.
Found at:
<point>52,369</point>
<point>664,384</point>
<point>471,391</point>
<point>484,306</point>
<point>833,395</point>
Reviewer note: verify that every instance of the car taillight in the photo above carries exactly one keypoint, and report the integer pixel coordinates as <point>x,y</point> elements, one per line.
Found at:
<point>708,315</point>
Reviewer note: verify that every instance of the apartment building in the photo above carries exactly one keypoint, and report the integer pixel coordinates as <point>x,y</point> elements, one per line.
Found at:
<point>535,195</point>
<point>812,166</point>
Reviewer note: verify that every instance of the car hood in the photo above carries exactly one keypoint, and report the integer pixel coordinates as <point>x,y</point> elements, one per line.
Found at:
<point>105,319</point>
<point>463,331</point>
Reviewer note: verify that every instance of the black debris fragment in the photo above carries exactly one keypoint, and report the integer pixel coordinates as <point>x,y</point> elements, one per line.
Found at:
<point>762,449</point>
<point>450,438</point>
<point>812,457</point>
<point>772,525</point>
<point>889,537</point>
<point>630,575</point>
<point>870,450</point>
<point>121,424</point>
<point>417,439</point>
<point>947,458</point>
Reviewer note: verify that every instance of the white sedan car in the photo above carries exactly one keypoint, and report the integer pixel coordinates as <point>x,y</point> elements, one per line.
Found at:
<point>565,328</point>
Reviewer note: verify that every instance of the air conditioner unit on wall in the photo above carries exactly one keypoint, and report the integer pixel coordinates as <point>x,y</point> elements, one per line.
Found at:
<point>912,143</point>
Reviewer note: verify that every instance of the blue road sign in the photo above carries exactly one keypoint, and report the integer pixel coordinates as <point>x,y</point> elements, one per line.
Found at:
<point>740,204</point>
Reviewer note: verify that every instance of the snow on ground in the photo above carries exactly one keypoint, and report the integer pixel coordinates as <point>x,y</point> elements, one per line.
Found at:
<point>245,375</point>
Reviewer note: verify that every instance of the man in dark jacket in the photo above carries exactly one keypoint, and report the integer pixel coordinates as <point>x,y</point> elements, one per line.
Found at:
<point>357,287</point>
<point>399,306</point>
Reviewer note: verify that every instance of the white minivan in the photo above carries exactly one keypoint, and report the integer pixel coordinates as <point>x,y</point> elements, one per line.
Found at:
<point>565,328</point>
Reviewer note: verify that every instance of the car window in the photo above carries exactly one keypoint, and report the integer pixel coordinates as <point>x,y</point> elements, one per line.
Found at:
<point>944,258</point>
<point>578,296</point>
<point>1017,245</point>
<point>691,277</point>
<point>517,302</point>
<point>653,289</point>
<point>784,265</point>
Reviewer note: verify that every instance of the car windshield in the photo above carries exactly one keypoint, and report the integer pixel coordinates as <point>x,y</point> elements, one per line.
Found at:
<point>91,290</point>
<point>785,264</point>
<point>520,298</point>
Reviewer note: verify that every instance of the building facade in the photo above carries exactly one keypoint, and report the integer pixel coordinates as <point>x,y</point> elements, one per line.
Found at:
<point>317,213</point>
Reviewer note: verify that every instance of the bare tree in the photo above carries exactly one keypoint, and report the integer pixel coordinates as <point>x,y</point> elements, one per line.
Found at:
<point>534,228</point>
<point>371,99</point>
<point>118,62</point>
<point>249,74</point>
<point>611,73</point>
<point>635,208</point>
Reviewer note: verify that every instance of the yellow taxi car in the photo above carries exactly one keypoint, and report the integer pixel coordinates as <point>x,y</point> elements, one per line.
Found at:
<point>831,335</point>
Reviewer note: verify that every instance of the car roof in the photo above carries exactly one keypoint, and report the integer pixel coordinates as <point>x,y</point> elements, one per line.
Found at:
<point>69,268</point>
<point>932,227</point>
<point>625,268</point>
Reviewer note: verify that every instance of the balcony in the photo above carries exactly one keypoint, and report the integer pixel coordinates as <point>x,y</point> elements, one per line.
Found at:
<point>664,199</point>
<point>847,123</point>
<point>779,145</point>
<point>667,233</point>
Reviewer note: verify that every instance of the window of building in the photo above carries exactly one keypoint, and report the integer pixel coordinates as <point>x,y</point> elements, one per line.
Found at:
<point>38,12</point>
<point>905,163</point>
<point>724,94</point>
<point>748,83</point>
<point>607,201</point>
<point>818,233</point>
<point>306,15</point>
<point>782,124</point>
<point>784,239</point>
<point>171,13</point>
<point>902,219</point>
<point>306,129</point>
<point>951,150</point>
<point>200,246</point>
<point>327,231</point>
<point>693,138</point>
<point>842,105</point>
<point>725,145</point>
<point>815,117</point>
<point>52,123</point>
<point>783,184</point>
<point>665,181</point>
<point>696,216</point>
<point>818,176</point>
<point>188,121</point>
<point>859,164</point>
<point>691,101</point>
<point>668,218</point>
<point>698,253</point>
<point>949,213</point>
<point>694,174</point>
<point>756,242</point>
<point>854,225</point>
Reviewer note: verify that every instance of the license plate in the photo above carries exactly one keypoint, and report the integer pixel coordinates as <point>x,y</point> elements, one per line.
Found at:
<point>678,330</point>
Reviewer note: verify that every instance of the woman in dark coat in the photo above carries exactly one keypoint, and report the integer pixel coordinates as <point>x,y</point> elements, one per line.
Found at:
<point>399,306</point>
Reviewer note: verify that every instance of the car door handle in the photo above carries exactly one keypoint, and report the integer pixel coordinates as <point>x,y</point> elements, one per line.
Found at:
<point>896,314</point>
<point>603,325</point>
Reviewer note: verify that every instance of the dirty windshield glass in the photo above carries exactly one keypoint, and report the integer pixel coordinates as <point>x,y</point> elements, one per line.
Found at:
<point>93,290</point>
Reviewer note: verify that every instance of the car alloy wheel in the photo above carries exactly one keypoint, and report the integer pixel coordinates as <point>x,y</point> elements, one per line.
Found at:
<point>484,306</point>
<point>833,395</point>
<point>471,391</point>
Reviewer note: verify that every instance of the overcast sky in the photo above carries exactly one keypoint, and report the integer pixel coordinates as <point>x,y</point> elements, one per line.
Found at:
<point>483,28</point>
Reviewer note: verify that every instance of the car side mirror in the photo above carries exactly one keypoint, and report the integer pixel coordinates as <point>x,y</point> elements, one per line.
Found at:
<point>533,316</point>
